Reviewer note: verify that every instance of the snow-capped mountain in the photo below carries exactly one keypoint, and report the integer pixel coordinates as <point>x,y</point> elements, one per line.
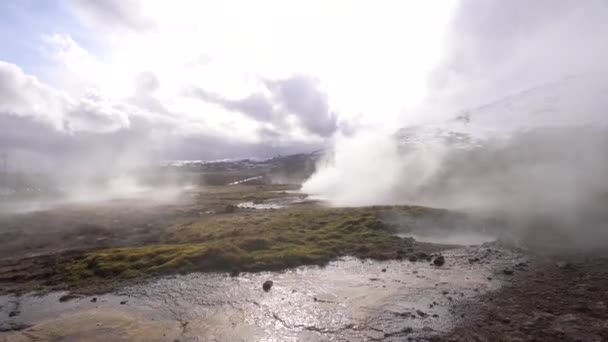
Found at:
<point>574,101</point>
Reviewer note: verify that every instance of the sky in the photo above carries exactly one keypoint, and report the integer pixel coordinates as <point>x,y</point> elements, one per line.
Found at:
<point>207,79</point>
<point>125,80</point>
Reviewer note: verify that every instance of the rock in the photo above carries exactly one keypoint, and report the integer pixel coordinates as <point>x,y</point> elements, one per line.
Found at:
<point>439,261</point>
<point>94,300</point>
<point>123,302</point>
<point>383,270</point>
<point>8,327</point>
<point>413,258</point>
<point>598,308</point>
<point>235,273</point>
<point>14,313</point>
<point>501,318</point>
<point>507,271</point>
<point>68,297</point>
<point>267,285</point>
<point>230,208</point>
<point>421,313</point>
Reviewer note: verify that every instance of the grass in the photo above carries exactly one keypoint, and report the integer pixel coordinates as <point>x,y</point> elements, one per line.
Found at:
<point>251,240</point>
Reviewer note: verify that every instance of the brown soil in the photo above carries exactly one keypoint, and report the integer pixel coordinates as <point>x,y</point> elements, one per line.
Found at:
<point>554,299</point>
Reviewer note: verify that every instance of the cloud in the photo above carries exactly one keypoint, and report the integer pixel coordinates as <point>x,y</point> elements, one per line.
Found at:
<point>23,95</point>
<point>44,129</point>
<point>113,14</point>
<point>297,95</point>
<point>94,113</point>
<point>501,47</point>
<point>300,95</point>
<point>256,106</point>
<point>146,83</point>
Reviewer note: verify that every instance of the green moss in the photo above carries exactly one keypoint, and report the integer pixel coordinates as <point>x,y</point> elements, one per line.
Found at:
<point>252,240</point>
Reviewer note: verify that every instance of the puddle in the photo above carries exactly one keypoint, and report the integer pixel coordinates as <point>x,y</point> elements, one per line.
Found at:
<point>275,203</point>
<point>349,299</point>
<point>456,238</point>
<point>243,181</point>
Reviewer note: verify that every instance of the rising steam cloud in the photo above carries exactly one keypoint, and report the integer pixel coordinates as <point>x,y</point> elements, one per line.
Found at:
<point>518,131</point>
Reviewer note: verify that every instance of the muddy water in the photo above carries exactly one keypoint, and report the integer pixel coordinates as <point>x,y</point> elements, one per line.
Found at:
<point>275,203</point>
<point>347,300</point>
<point>448,238</point>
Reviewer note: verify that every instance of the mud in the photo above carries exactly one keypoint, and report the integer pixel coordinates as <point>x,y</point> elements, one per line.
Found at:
<point>349,299</point>
<point>485,291</point>
<point>553,298</point>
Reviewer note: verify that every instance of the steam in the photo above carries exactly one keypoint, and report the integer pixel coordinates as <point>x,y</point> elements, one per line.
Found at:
<point>368,168</point>
<point>523,139</point>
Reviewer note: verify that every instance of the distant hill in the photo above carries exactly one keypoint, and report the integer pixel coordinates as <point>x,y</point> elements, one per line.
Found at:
<point>290,169</point>
<point>574,101</point>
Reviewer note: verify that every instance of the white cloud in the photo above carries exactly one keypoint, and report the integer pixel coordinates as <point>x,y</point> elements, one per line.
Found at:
<point>369,57</point>
<point>23,95</point>
<point>282,75</point>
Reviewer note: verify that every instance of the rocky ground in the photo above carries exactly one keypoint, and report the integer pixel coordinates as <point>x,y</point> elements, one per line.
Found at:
<point>553,298</point>
<point>406,290</point>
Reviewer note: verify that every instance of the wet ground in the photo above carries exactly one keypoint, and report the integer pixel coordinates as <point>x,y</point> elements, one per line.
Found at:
<point>349,299</point>
<point>485,291</point>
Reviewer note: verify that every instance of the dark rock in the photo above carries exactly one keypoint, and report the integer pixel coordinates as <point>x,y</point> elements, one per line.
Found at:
<point>501,318</point>
<point>421,313</point>
<point>94,300</point>
<point>405,314</point>
<point>14,313</point>
<point>230,208</point>
<point>267,285</point>
<point>235,273</point>
<point>404,331</point>
<point>68,297</point>
<point>123,302</point>
<point>473,260</point>
<point>384,270</point>
<point>507,271</point>
<point>11,326</point>
<point>439,261</point>
<point>413,258</point>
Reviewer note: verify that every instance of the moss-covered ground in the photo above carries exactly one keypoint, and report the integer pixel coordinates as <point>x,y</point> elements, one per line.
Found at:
<point>205,236</point>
